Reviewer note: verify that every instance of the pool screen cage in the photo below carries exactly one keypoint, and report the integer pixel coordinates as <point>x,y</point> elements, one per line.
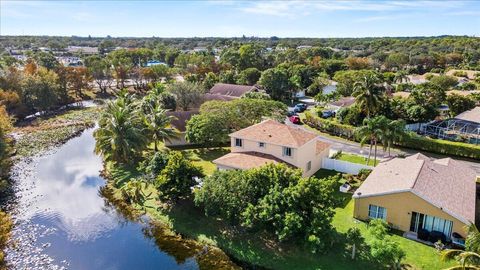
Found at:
<point>454,130</point>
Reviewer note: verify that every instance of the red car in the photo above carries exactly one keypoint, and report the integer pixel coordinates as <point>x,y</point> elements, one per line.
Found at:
<point>294,119</point>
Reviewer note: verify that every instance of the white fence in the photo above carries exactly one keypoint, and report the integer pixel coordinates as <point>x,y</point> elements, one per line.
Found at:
<point>343,166</point>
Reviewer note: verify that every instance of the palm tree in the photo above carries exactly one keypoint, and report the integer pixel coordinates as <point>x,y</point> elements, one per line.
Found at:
<point>394,132</point>
<point>120,135</point>
<point>133,191</point>
<point>400,77</point>
<point>468,258</point>
<point>157,122</point>
<point>372,131</point>
<point>368,94</point>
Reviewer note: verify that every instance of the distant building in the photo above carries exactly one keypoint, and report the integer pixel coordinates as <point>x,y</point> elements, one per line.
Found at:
<point>82,49</point>
<point>155,63</point>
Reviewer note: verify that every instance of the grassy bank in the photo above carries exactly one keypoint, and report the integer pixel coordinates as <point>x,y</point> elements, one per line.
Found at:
<point>163,229</point>
<point>43,133</point>
<point>259,247</point>
<point>5,229</point>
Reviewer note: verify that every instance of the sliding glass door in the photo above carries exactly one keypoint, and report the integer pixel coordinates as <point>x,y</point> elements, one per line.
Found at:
<point>430,223</point>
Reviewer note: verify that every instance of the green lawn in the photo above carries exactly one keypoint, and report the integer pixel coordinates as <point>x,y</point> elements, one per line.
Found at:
<point>419,256</point>
<point>203,157</point>
<point>357,159</point>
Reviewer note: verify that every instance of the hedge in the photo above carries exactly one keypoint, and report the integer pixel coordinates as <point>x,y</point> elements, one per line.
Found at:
<point>439,146</point>
<point>412,140</point>
<point>330,127</point>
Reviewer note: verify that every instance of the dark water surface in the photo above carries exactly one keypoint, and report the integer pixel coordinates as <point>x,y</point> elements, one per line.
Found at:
<point>63,223</point>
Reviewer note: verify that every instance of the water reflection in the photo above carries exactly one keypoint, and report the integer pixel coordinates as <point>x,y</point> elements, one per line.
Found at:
<point>62,222</point>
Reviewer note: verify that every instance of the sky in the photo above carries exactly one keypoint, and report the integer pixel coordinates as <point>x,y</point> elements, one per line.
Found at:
<point>355,18</point>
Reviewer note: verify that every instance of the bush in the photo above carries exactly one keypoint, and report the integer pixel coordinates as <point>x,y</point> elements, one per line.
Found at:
<point>176,179</point>
<point>275,198</point>
<point>5,228</point>
<point>460,73</point>
<point>438,146</point>
<point>329,126</point>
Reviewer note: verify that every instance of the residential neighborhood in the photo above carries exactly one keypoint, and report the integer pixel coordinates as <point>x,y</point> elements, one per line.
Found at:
<point>273,135</point>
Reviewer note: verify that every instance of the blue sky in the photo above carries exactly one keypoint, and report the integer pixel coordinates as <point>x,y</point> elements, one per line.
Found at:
<point>237,18</point>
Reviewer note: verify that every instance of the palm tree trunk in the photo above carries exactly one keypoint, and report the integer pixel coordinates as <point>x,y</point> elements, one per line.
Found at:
<point>155,146</point>
<point>370,152</point>
<point>375,156</point>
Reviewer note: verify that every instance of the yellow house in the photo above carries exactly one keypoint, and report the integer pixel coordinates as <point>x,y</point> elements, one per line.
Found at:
<point>418,193</point>
<point>273,142</point>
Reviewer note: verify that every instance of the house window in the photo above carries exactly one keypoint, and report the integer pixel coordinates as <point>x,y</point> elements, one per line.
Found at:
<point>287,151</point>
<point>377,212</point>
<point>309,166</point>
<point>261,144</point>
<point>238,142</point>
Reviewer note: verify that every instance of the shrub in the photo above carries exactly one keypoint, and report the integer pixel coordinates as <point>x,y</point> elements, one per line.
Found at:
<point>460,73</point>
<point>329,126</point>
<point>438,146</point>
<point>176,179</point>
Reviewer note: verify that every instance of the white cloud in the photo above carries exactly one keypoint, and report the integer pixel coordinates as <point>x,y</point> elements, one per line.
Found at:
<point>295,8</point>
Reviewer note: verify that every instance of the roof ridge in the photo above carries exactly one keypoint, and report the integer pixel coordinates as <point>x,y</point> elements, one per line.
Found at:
<point>418,174</point>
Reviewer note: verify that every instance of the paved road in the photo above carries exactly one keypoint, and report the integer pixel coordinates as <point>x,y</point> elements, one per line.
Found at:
<point>338,144</point>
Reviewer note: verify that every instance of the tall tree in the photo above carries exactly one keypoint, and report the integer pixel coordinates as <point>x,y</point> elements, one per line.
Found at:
<point>121,135</point>
<point>277,83</point>
<point>78,80</point>
<point>100,69</point>
<point>157,123</point>
<point>187,94</point>
<point>368,94</point>
<point>371,131</point>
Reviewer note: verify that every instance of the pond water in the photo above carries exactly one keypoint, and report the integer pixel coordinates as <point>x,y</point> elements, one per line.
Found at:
<point>62,222</point>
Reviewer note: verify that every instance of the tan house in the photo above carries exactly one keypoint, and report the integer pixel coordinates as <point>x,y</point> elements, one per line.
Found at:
<point>273,142</point>
<point>418,193</point>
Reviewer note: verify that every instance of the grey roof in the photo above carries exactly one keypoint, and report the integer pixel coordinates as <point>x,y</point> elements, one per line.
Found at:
<point>472,115</point>
<point>232,90</point>
<point>444,183</point>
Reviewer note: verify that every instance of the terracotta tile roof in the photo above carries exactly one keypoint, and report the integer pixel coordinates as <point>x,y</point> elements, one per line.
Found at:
<point>271,131</point>
<point>232,90</point>
<point>246,160</point>
<point>320,146</point>
<point>472,115</point>
<point>444,183</point>
<point>181,118</point>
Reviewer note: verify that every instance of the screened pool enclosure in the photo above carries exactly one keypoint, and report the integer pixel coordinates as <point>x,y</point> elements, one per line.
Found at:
<point>454,129</point>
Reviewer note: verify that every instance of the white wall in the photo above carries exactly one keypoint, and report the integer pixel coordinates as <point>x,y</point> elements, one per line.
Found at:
<point>344,166</point>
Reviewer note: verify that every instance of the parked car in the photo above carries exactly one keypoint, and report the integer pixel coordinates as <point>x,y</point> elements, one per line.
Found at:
<point>328,114</point>
<point>290,113</point>
<point>300,107</point>
<point>294,119</point>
